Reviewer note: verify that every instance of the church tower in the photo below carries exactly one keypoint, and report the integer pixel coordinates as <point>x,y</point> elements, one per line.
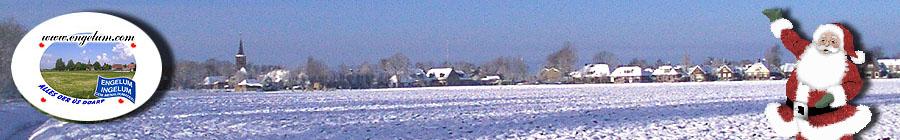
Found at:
<point>240,60</point>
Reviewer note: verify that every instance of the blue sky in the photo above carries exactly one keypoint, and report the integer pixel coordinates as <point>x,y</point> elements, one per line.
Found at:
<point>476,31</point>
<point>103,52</point>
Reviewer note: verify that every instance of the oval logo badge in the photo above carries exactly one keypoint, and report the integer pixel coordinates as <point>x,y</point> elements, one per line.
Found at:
<point>86,66</point>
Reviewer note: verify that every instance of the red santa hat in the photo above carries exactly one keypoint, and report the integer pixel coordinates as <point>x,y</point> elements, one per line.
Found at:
<point>839,30</point>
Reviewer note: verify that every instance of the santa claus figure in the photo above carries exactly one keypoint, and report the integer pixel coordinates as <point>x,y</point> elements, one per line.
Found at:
<point>818,91</point>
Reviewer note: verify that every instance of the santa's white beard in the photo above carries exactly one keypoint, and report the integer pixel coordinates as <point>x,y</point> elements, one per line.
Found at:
<point>820,71</point>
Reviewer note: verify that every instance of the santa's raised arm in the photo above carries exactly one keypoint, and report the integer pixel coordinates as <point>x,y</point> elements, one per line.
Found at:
<point>783,29</point>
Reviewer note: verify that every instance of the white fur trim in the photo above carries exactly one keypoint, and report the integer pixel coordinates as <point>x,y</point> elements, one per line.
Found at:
<point>833,28</point>
<point>851,125</point>
<point>860,58</point>
<point>781,128</point>
<point>802,93</point>
<point>840,98</point>
<point>781,24</point>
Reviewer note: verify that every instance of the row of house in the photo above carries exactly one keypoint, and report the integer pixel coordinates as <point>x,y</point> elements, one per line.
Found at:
<point>589,73</point>
<point>443,76</point>
<point>883,68</point>
<point>602,73</point>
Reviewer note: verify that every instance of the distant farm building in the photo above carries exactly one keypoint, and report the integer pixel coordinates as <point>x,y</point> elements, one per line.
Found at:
<point>757,71</point>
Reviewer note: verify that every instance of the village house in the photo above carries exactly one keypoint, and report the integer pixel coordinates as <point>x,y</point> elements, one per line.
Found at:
<point>592,73</point>
<point>491,80</point>
<point>630,74</point>
<point>728,73</point>
<point>757,71</point>
<point>892,66</point>
<point>445,77</point>
<point>118,67</point>
<point>700,73</point>
<point>666,74</point>
<point>550,75</point>
<point>123,67</point>
<point>787,69</point>
<point>131,67</point>
<point>411,78</point>
<point>874,71</point>
<point>214,82</point>
<point>248,85</point>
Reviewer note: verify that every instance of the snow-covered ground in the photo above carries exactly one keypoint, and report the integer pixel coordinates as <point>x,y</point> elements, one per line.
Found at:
<point>709,110</point>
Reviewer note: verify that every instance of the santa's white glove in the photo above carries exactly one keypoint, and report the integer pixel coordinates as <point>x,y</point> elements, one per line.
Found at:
<point>860,57</point>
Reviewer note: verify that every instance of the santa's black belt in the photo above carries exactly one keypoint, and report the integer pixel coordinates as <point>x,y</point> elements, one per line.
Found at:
<point>813,111</point>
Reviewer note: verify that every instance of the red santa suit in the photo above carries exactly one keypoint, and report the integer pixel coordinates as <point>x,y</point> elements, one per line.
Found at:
<point>810,82</point>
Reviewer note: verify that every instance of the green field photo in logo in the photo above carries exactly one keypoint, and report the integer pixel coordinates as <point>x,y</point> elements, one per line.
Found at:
<point>72,69</point>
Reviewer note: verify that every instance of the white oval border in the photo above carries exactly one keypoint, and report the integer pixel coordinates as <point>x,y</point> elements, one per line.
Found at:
<point>26,73</point>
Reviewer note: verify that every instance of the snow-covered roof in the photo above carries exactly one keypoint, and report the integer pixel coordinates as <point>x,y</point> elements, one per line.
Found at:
<point>733,69</point>
<point>702,68</point>
<point>491,78</point>
<point>401,78</point>
<point>788,67</point>
<point>550,69</point>
<point>757,67</point>
<point>629,71</point>
<point>595,70</point>
<point>665,70</point>
<point>250,83</point>
<point>889,62</point>
<point>441,73</point>
<point>242,70</point>
<point>212,80</point>
<point>278,75</point>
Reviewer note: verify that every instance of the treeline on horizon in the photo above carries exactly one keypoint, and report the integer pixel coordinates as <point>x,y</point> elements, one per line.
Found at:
<point>376,75</point>
<point>189,73</point>
<point>71,65</point>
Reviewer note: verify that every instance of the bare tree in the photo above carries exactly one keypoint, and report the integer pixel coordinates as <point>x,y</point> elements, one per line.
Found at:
<point>188,74</point>
<point>605,57</point>
<point>466,67</point>
<point>710,61</point>
<point>316,70</point>
<point>638,62</point>
<point>686,60</point>
<point>510,68</point>
<point>10,34</point>
<point>563,59</point>
<point>397,64</point>
<point>424,65</point>
<point>660,62</point>
<point>876,53</point>
<point>773,56</point>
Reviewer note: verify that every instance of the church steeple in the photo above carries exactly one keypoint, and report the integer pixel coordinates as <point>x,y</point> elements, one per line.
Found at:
<point>241,46</point>
<point>240,60</point>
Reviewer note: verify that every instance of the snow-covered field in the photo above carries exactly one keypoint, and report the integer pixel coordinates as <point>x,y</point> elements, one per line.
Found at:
<point>710,110</point>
